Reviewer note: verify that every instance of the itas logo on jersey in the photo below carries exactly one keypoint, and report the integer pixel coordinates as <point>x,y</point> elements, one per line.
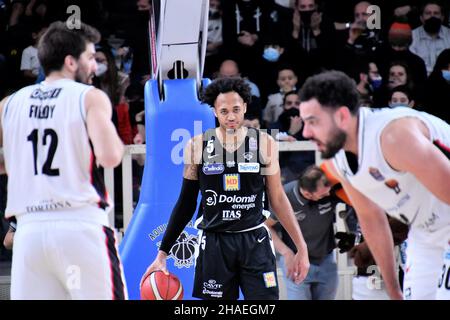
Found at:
<point>231,215</point>
<point>269,279</point>
<point>231,182</point>
<point>214,168</point>
<point>252,167</point>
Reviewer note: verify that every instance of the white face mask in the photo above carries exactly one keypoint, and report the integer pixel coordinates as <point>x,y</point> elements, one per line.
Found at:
<point>101,69</point>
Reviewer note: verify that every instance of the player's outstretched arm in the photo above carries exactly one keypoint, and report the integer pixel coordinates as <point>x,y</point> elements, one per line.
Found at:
<point>283,209</point>
<point>108,147</point>
<point>377,233</point>
<point>406,146</point>
<point>184,208</point>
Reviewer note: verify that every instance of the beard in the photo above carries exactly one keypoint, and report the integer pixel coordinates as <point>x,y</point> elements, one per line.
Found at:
<point>335,144</point>
<point>83,77</point>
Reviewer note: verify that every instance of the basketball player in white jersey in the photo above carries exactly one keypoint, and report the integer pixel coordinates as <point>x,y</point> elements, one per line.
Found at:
<point>53,136</point>
<point>388,160</point>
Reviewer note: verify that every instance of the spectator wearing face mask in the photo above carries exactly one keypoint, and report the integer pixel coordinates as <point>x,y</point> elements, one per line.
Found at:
<point>401,96</point>
<point>245,23</point>
<point>437,89</point>
<point>310,37</point>
<point>287,82</point>
<point>399,74</point>
<point>114,83</point>
<point>432,37</point>
<point>399,40</point>
<point>368,81</point>
<point>272,58</point>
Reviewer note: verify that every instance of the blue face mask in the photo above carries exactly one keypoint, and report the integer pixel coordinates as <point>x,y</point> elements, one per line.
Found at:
<point>376,83</point>
<point>446,75</point>
<point>271,54</point>
<point>398,104</point>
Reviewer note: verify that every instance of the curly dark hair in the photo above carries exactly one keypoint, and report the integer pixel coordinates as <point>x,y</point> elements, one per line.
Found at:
<point>332,89</point>
<point>225,85</point>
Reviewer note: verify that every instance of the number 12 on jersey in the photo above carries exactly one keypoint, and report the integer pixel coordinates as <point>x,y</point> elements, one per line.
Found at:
<point>33,137</point>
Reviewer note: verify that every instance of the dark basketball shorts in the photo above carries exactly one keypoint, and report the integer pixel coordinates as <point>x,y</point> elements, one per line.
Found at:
<point>226,262</point>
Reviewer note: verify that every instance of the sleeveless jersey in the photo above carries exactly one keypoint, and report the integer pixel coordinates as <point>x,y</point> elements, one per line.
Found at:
<point>400,194</point>
<point>231,185</point>
<point>48,155</point>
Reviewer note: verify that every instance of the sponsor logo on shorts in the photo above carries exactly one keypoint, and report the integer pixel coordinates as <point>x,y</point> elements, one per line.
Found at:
<point>231,182</point>
<point>214,168</point>
<point>252,167</point>
<point>231,215</point>
<point>269,279</point>
<point>212,288</point>
<point>261,240</point>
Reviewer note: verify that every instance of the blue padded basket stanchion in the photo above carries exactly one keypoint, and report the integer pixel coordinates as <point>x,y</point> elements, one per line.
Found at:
<point>169,126</point>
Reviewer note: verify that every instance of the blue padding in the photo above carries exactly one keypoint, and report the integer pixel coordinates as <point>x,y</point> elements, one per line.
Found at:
<point>169,126</point>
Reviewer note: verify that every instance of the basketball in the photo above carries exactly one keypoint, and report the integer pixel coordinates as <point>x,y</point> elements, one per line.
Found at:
<point>159,286</point>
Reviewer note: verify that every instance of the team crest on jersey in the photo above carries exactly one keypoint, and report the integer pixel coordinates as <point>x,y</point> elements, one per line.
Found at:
<point>248,156</point>
<point>252,144</point>
<point>376,174</point>
<point>252,167</point>
<point>231,182</point>
<point>393,184</point>
<point>269,279</point>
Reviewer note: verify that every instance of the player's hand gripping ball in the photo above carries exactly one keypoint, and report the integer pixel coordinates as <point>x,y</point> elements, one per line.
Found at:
<point>160,286</point>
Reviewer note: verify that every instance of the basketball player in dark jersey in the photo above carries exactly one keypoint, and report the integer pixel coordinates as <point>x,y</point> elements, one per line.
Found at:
<point>232,166</point>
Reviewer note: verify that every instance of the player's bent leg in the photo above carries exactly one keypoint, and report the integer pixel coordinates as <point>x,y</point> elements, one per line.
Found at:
<point>32,275</point>
<point>423,263</point>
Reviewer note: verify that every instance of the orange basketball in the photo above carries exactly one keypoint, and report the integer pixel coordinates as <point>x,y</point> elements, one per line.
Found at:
<point>159,286</point>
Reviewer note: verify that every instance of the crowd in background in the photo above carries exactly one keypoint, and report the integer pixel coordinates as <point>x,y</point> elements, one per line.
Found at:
<point>398,55</point>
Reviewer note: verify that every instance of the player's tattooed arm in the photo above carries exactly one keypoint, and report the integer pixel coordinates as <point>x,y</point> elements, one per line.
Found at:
<point>190,172</point>
<point>192,154</point>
